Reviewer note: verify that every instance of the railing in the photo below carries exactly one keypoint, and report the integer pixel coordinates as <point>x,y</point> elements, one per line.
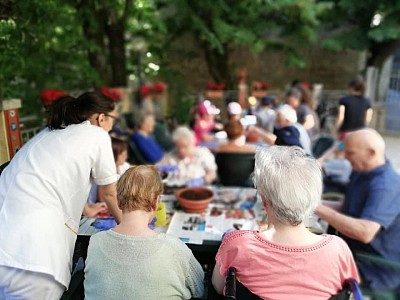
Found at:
<point>29,127</point>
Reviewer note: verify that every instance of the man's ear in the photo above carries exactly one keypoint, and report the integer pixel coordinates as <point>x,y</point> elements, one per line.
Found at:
<point>371,152</point>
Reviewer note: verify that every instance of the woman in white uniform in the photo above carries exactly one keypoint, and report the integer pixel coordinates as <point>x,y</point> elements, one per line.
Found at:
<point>43,192</point>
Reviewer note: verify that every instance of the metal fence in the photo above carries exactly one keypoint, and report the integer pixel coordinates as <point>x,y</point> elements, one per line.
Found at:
<point>30,125</point>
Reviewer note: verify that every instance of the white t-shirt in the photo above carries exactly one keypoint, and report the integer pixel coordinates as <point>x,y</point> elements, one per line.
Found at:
<point>42,195</point>
<point>304,138</point>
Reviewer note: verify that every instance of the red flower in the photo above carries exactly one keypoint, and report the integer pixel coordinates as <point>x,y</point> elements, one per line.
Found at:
<point>260,85</point>
<point>210,86</point>
<point>264,85</point>
<point>145,90</point>
<point>113,93</point>
<point>215,86</point>
<point>159,87</point>
<point>49,96</point>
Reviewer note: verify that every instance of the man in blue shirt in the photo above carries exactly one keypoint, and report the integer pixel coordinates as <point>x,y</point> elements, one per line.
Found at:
<point>369,219</point>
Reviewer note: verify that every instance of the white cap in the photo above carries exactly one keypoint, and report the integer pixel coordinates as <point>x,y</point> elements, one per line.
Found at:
<point>288,113</point>
<point>234,108</point>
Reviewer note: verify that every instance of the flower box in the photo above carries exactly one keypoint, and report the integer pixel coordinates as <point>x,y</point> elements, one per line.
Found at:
<point>212,94</point>
<point>259,94</point>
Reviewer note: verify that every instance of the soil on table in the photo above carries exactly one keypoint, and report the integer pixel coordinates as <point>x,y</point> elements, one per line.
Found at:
<point>195,195</point>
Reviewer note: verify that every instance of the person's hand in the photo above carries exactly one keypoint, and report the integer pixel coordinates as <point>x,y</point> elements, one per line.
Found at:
<point>247,204</point>
<point>152,224</point>
<point>254,129</point>
<point>195,182</point>
<point>91,210</point>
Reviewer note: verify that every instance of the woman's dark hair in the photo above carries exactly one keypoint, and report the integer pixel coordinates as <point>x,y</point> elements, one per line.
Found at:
<point>68,110</point>
<point>305,96</point>
<point>294,92</point>
<point>357,85</point>
<point>118,146</point>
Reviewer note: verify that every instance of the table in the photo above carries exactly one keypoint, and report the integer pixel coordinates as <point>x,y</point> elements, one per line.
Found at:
<point>203,249</point>
<point>205,242</point>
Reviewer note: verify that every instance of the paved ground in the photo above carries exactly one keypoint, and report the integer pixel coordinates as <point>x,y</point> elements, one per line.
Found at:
<point>393,150</point>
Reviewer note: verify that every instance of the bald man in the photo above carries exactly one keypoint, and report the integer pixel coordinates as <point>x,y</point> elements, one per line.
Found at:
<point>369,219</point>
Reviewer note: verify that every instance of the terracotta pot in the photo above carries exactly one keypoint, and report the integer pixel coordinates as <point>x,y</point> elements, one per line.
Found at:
<point>194,199</point>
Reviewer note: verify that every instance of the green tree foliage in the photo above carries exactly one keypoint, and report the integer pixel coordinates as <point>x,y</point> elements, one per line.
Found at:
<point>368,25</point>
<point>220,25</point>
<point>70,45</point>
<point>42,47</point>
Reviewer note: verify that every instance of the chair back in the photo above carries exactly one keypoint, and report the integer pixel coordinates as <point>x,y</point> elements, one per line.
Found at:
<point>3,166</point>
<point>382,265</point>
<point>163,137</point>
<point>135,157</point>
<point>234,290</point>
<point>322,144</point>
<point>76,289</point>
<point>234,169</point>
<point>350,290</point>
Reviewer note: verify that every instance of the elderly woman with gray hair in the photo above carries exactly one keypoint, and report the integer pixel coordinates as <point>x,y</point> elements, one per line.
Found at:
<point>269,263</point>
<point>195,165</point>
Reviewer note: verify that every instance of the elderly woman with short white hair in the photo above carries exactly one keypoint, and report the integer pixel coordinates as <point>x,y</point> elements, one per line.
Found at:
<point>269,263</point>
<point>194,163</point>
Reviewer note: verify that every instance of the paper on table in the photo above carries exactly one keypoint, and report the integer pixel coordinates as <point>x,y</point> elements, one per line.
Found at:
<point>196,228</point>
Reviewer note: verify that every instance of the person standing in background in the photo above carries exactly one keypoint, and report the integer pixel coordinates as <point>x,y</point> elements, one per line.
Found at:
<point>355,111</point>
<point>266,115</point>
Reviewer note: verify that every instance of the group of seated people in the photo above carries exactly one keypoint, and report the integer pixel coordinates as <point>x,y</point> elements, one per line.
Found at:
<point>133,261</point>
<point>288,179</point>
<point>190,144</point>
<point>286,124</point>
<point>131,256</point>
<point>289,183</point>
<point>268,261</point>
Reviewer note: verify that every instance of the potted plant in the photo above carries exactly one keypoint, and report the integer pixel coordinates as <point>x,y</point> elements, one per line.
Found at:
<point>260,88</point>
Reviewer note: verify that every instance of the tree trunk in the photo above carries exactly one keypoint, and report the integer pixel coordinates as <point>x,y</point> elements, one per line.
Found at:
<point>117,51</point>
<point>94,31</point>
<point>117,55</point>
<point>218,65</point>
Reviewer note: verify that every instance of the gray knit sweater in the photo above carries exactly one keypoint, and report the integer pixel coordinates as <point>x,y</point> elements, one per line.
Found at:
<point>129,267</point>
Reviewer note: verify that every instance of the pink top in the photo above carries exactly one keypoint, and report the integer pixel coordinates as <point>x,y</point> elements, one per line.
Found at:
<point>201,128</point>
<point>274,271</point>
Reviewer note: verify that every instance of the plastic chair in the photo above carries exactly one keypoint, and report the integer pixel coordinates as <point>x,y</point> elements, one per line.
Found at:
<point>234,169</point>
<point>322,144</point>
<point>163,137</point>
<point>76,290</point>
<point>390,294</point>
<point>234,290</point>
<point>135,157</point>
<point>3,166</point>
